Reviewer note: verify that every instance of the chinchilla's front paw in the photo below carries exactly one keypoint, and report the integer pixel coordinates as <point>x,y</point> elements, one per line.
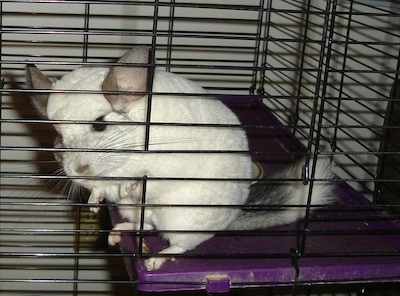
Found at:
<point>96,197</point>
<point>126,188</point>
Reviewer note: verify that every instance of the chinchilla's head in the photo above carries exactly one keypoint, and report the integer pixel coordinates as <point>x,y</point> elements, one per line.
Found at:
<point>88,108</point>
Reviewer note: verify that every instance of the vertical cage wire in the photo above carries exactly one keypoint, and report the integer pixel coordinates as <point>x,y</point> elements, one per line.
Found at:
<point>325,69</point>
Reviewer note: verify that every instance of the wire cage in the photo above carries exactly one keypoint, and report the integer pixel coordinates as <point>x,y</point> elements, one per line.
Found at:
<point>308,79</point>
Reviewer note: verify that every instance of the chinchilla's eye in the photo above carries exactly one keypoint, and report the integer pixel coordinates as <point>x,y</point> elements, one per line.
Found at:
<point>99,125</point>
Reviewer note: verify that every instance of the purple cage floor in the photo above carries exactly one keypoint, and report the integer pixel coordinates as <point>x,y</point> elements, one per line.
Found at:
<point>352,240</point>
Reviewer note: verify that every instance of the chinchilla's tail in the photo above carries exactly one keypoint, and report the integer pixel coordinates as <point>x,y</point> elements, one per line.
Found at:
<point>283,201</point>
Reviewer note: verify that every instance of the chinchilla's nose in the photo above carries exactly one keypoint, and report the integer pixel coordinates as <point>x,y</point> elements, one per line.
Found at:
<point>82,168</point>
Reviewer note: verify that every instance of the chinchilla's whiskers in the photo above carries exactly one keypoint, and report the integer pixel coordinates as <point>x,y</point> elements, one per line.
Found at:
<point>127,142</point>
<point>62,186</point>
<point>74,192</point>
<point>121,141</point>
<point>67,187</point>
<point>18,196</point>
<point>40,198</point>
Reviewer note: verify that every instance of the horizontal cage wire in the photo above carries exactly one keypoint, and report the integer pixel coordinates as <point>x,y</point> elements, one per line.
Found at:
<point>267,164</point>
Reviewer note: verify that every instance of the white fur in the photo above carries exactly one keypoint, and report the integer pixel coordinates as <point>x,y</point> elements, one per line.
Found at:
<point>135,162</point>
<point>188,168</point>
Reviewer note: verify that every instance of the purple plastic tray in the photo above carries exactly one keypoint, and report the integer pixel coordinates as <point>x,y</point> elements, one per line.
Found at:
<point>352,240</point>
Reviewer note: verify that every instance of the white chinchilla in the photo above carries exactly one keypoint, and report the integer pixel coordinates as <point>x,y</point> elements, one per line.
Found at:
<point>191,140</point>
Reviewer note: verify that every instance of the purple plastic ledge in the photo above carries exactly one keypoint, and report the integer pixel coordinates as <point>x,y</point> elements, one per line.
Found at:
<point>351,241</point>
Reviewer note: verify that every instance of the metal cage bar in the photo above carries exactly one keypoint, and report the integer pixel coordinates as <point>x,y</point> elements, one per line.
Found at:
<point>307,78</point>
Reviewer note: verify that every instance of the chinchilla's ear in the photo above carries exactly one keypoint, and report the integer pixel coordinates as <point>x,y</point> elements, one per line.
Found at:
<point>127,79</point>
<point>36,80</point>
